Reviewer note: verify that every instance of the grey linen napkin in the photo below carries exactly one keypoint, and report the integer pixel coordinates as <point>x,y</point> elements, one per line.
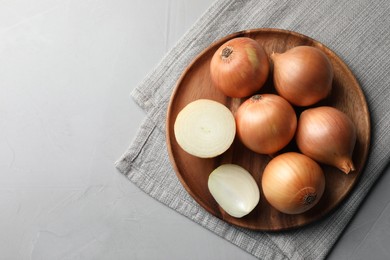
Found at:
<point>358,31</point>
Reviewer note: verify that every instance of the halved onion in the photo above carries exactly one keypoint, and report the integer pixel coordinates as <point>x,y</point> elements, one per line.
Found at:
<point>205,128</point>
<point>234,189</point>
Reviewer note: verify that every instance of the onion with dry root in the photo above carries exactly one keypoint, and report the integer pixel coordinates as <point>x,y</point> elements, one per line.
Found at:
<point>234,189</point>
<point>293,183</point>
<point>266,123</point>
<point>239,67</point>
<point>303,75</point>
<point>205,128</point>
<point>327,135</point>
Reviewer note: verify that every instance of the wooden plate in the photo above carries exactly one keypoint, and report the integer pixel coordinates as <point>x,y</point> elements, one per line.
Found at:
<point>193,172</point>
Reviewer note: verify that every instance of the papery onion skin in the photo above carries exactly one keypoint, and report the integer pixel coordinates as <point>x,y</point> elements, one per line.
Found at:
<point>293,183</point>
<point>327,135</point>
<point>303,75</point>
<point>265,123</point>
<point>239,67</point>
<point>234,189</point>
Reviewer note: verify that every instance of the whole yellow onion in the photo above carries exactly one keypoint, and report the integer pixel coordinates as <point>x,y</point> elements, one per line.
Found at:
<point>265,123</point>
<point>327,135</point>
<point>239,67</point>
<point>293,183</point>
<point>303,75</point>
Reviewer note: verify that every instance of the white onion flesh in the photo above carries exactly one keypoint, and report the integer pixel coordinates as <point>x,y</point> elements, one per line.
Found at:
<point>234,189</point>
<point>205,128</point>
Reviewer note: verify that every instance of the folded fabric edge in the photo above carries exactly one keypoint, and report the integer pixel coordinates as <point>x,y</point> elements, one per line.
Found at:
<point>123,164</point>
<point>189,209</point>
<point>194,213</point>
<point>142,180</point>
<point>145,101</point>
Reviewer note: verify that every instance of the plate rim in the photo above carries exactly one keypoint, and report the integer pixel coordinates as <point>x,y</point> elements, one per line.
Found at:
<point>249,33</point>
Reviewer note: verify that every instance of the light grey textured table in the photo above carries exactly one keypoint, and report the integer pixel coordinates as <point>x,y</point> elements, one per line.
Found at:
<point>66,71</point>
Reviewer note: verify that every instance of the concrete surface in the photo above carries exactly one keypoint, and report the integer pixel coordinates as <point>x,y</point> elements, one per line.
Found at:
<point>66,70</point>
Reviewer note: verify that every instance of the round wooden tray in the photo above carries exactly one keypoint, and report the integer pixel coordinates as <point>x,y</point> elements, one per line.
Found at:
<point>193,172</point>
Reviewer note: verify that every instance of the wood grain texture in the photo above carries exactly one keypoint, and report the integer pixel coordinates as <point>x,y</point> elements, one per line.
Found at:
<point>195,83</point>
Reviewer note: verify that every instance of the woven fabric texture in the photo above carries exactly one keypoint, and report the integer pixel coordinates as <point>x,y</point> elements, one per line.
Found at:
<point>358,31</point>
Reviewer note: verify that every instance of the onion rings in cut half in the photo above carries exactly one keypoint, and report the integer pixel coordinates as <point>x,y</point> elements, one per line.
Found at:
<point>205,128</point>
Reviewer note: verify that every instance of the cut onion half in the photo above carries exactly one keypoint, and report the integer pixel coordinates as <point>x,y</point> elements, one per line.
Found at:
<point>234,189</point>
<point>205,128</point>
